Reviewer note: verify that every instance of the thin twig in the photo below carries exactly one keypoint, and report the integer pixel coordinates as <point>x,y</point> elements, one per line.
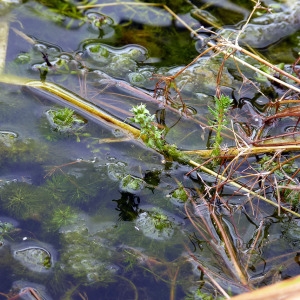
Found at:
<point>240,187</point>
<point>211,279</point>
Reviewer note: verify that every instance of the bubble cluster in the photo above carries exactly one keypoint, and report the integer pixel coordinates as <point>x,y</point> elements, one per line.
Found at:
<point>116,62</point>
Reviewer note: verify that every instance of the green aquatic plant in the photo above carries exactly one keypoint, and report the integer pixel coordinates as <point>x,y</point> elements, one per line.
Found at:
<point>6,228</point>
<point>101,51</point>
<point>160,220</point>
<point>84,186</point>
<point>155,224</point>
<point>63,216</point>
<point>200,295</point>
<point>64,119</point>
<point>65,122</point>
<point>99,21</point>
<point>153,136</point>
<point>85,255</point>
<point>21,200</point>
<point>23,58</point>
<point>180,194</point>
<point>73,186</point>
<point>291,195</point>
<point>64,8</point>
<point>62,13</point>
<point>131,260</point>
<point>47,262</point>
<point>268,163</point>
<point>18,151</point>
<point>131,184</point>
<point>56,188</point>
<point>219,121</point>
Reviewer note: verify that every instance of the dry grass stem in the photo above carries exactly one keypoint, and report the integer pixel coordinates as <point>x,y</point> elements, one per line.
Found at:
<point>244,151</point>
<point>245,190</point>
<point>288,289</point>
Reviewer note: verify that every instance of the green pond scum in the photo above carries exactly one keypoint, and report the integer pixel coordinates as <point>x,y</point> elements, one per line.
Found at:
<point>89,210</point>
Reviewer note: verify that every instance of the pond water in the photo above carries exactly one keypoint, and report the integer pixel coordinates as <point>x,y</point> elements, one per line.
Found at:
<point>87,211</point>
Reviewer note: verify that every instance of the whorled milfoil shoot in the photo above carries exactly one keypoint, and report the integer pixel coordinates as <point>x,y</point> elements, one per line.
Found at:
<point>219,121</point>
<point>152,136</point>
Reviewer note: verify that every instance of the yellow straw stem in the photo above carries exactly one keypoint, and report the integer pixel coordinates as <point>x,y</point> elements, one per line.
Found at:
<point>82,104</point>
<point>243,151</point>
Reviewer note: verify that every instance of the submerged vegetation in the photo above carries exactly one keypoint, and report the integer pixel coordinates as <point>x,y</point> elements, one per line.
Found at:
<point>20,199</point>
<point>17,151</point>
<point>6,230</point>
<point>63,216</point>
<point>231,225</point>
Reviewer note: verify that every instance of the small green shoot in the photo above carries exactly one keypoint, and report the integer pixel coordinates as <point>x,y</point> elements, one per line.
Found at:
<point>64,117</point>
<point>63,216</point>
<point>219,122</point>
<point>65,120</point>
<point>152,136</point>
